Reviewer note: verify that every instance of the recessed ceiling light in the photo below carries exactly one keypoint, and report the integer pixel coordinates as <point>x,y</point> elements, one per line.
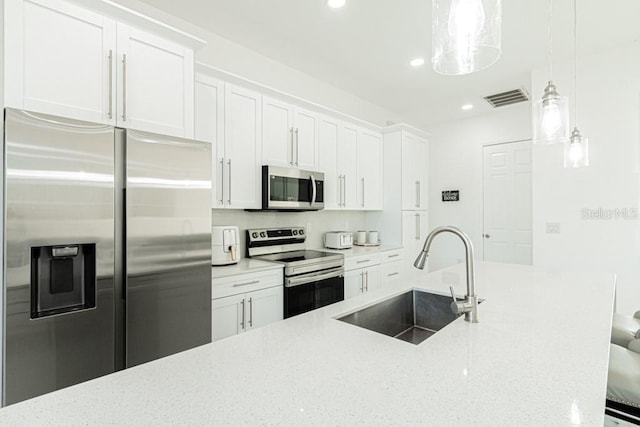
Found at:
<point>336,3</point>
<point>467,107</point>
<point>416,62</point>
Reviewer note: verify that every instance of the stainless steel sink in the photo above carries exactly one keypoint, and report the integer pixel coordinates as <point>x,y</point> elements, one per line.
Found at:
<point>413,316</point>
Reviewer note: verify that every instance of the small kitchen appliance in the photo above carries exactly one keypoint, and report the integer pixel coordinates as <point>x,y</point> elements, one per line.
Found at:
<point>224,245</point>
<point>312,279</point>
<point>338,240</point>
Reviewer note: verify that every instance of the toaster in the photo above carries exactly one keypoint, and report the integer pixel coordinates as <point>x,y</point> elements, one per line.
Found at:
<point>338,240</point>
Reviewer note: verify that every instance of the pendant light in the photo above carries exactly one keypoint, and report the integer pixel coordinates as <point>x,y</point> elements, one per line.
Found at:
<point>466,35</point>
<point>576,149</point>
<point>551,113</point>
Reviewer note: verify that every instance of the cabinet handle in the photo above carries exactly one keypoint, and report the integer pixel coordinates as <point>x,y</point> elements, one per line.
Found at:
<point>417,226</point>
<point>124,87</point>
<point>363,192</point>
<point>222,180</point>
<point>392,274</point>
<point>417,194</point>
<point>250,312</point>
<point>297,147</point>
<point>291,144</point>
<point>393,256</point>
<point>242,320</point>
<point>253,282</point>
<point>229,171</point>
<point>110,84</point>
<point>362,282</point>
<point>364,260</point>
<point>344,190</point>
<point>366,275</point>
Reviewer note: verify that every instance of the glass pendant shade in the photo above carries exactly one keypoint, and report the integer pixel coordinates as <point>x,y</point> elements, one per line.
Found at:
<point>551,117</point>
<point>466,35</point>
<point>576,151</point>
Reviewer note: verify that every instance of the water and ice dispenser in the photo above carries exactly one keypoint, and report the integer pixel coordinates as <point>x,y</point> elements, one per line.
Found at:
<point>63,279</point>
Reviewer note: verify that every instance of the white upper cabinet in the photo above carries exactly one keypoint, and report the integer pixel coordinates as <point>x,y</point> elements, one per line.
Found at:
<point>209,127</point>
<point>370,170</point>
<point>289,135</point>
<point>414,173</point>
<point>66,60</point>
<point>155,84</point>
<point>328,130</point>
<point>60,59</point>
<point>347,166</point>
<point>242,141</point>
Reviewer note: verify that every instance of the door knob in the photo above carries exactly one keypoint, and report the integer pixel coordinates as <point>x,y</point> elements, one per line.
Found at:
<point>486,236</point>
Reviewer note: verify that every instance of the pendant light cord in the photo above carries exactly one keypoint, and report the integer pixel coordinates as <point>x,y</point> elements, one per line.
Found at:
<point>575,63</point>
<point>550,35</point>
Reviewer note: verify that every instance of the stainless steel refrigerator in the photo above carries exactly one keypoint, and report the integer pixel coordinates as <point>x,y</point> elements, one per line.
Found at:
<point>108,250</point>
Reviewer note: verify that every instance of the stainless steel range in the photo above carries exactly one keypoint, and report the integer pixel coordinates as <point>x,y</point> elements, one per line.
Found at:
<point>312,279</point>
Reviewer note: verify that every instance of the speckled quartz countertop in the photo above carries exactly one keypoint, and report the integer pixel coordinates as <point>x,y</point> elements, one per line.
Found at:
<point>538,357</point>
<point>362,250</point>
<point>244,265</point>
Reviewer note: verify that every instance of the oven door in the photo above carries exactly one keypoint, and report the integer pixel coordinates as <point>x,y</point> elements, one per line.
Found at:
<point>307,292</point>
<point>292,189</point>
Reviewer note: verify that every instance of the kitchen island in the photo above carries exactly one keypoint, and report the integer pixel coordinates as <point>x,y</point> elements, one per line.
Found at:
<point>538,357</point>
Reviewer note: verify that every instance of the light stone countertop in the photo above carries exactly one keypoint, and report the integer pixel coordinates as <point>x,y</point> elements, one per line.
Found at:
<point>244,266</point>
<point>361,250</point>
<point>538,357</point>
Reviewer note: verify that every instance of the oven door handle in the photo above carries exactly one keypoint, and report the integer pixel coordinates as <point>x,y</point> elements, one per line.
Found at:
<point>310,278</point>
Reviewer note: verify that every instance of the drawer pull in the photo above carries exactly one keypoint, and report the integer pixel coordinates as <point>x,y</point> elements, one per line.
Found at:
<point>392,274</point>
<point>393,256</point>
<point>253,282</point>
<point>364,260</point>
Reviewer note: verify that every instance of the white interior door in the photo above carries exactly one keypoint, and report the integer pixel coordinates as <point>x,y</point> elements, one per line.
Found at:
<point>508,233</point>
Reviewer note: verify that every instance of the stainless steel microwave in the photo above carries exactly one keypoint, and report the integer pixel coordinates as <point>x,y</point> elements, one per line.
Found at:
<point>289,189</point>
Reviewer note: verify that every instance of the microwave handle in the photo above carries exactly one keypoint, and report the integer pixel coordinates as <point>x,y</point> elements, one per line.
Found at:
<point>313,190</point>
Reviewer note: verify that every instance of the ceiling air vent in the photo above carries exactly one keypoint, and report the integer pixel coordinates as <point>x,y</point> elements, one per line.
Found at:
<point>507,98</point>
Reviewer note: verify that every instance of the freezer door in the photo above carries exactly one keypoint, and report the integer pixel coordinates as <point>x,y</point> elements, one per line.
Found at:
<point>168,232</point>
<point>59,232</point>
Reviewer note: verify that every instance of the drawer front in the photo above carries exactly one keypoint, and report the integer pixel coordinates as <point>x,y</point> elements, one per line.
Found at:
<point>391,271</point>
<point>361,261</point>
<point>242,283</point>
<point>391,256</point>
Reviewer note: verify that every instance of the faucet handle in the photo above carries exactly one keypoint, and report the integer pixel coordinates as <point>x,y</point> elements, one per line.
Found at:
<point>456,307</point>
<point>453,294</point>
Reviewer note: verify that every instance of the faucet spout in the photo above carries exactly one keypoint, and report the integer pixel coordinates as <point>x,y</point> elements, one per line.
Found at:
<point>470,306</point>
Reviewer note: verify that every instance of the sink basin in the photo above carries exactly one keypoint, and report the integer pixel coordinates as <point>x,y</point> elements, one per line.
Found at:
<point>412,317</point>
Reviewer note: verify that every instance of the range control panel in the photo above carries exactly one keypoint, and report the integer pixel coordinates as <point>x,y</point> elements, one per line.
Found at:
<point>276,234</point>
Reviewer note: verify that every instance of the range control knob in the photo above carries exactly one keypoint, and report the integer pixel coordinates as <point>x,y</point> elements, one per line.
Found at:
<point>301,232</point>
<point>254,235</point>
<point>295,232</point>
<point>263,234</point>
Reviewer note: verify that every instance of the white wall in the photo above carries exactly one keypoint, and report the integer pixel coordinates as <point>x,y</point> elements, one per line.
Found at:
<point>455,163</point>
<point>609,114</point>
<point>316,223</point>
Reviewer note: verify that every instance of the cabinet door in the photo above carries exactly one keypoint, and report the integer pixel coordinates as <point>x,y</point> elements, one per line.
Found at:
<point>353,283</point>
<point>372,278</point>
<point>370,170</point>
<point>306,139</point>
<point>347,166</point>
<point>414,230</point>
<point>264,307</point>
<point>277,133</point>
<point>242,123</point>
<point>209,127</point>
<point>60,60</point>
<point>227,316</point>
<point>155,84</point>
<point>414,173</point>
<point>328,161</point>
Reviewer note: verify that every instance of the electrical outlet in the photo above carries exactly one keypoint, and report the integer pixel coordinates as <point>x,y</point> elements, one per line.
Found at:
<point>553,228</point>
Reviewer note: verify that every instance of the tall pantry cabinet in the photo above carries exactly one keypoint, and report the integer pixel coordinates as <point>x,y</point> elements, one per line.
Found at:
<point>406,189</point>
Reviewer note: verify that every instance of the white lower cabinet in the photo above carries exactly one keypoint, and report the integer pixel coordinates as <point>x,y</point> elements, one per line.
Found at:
<point>360,281</point>
<point>260,303</point>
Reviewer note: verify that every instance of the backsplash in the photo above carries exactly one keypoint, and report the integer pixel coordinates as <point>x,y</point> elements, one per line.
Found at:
<point>316,223</point>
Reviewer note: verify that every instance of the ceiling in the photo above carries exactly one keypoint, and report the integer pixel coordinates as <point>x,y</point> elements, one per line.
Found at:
<point>365,47</point>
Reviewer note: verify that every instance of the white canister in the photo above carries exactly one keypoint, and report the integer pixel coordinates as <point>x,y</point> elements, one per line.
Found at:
<point>372,237</point>
<point>361,237</point>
